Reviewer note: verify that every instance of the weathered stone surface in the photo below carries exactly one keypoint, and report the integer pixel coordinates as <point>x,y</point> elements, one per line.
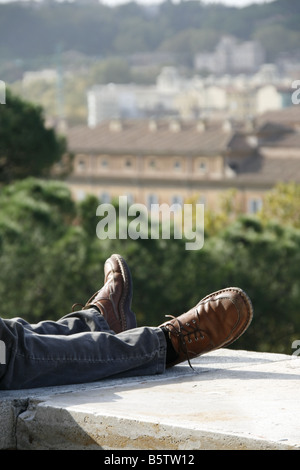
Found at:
<point>233,400</point>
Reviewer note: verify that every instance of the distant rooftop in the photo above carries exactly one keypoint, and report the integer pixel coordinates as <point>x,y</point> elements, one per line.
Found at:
<point>146,136</point>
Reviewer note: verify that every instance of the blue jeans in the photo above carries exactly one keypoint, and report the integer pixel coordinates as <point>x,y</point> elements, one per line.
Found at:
<point>78,348</point>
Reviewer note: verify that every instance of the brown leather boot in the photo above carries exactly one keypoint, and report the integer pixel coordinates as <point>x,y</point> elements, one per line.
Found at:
<point>216,321</point>
<point>113,300</point>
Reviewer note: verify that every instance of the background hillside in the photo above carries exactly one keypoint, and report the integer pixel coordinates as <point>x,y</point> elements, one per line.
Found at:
<point>31,33</point>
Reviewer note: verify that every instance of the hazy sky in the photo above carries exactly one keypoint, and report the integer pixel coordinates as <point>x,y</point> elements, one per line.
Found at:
<point>238,3</point>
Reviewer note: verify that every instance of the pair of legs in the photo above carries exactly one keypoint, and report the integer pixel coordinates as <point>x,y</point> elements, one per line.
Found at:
<point>102,340</point>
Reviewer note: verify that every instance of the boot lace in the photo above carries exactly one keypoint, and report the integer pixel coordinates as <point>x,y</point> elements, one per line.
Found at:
<point>183,330</point>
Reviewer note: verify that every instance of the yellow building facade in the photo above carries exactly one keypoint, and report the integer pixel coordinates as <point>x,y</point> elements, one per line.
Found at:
<point>173,162</point>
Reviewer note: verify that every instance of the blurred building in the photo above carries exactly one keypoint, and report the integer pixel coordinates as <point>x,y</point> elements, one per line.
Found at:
<point>169,161</point>
<point>44,75</point>
<point>173,95</point>
<point>113,101</point>
<point>231,56</point>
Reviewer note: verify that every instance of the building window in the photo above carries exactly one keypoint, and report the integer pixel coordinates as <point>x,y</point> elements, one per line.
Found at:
<point>177,200</point>
<point>104,163</point>
<point>81,165</point>
<point>202,200</point>
<point>202,166</point>
<point>177,165</point>
<point>152,199</point>
<point>130,198</point>
<point>128,163</point>
<point>104,198</point>
<point>152,164</point>
<point>254,205</point>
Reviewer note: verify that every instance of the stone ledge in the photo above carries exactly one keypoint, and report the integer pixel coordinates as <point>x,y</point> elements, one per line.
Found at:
<point>232,400</point>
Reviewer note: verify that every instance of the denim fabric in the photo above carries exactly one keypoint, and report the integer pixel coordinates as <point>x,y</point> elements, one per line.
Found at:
<point>78,348</point>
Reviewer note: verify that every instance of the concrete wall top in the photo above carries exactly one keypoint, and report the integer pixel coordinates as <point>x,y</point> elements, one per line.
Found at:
<point>232,400</point>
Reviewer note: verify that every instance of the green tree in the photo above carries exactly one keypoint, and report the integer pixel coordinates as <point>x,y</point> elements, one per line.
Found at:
<point>262,259</point>
<point>189,42</point>
<point>277,39</point>
<point>51,258</point>
<point>131,28</point>
<point>27,147</point>
<point>282,204</point>
<point>42,250</point>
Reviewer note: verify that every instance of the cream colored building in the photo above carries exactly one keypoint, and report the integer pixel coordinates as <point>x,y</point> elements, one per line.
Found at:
<point>172,162</point>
